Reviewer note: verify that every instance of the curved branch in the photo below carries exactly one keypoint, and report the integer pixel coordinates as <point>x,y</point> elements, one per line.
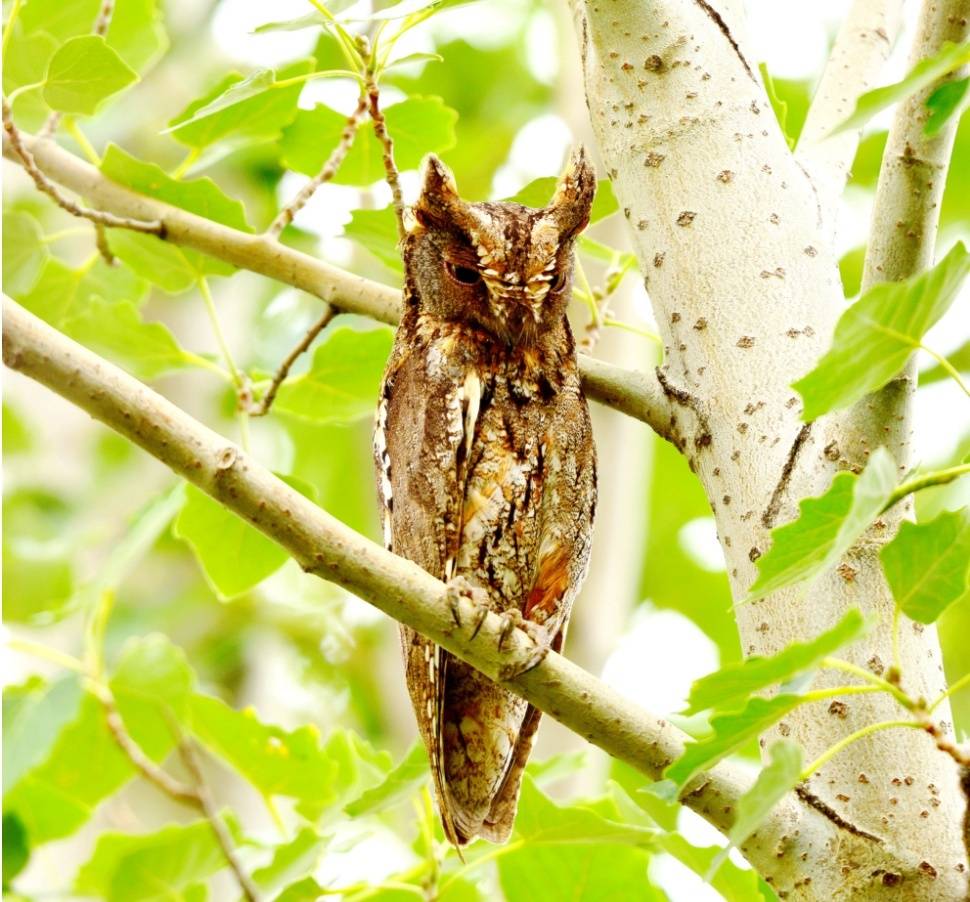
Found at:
<point>327,548</point>
<point>635,393</point>
<point>861,48</point>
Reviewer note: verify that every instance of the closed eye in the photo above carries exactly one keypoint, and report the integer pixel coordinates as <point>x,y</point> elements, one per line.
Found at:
<point>559,281</point>
<point>464,275</point>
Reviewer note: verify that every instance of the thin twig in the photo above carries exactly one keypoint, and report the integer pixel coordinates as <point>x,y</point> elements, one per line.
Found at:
<point>329,170</point>
<point>261,409</point>
<point>208,806</point>
<point>387,145</point>
<point>155,227</point>
<point>101,25</point>
<point>101,242</point>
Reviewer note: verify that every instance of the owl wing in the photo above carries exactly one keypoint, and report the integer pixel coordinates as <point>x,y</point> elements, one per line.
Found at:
<point>420,451</point>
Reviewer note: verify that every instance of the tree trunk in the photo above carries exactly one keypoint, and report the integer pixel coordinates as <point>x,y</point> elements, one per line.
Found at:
<point>734,236</point>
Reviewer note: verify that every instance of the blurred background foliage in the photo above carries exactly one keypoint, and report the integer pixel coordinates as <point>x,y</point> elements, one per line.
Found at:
<point>209,620</point>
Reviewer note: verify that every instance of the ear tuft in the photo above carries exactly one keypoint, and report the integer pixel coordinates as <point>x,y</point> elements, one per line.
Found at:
<point>439,193</point>
<point>570,205</point>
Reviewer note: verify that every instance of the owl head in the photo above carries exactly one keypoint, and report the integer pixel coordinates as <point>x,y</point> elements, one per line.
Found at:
<point>502,267</point>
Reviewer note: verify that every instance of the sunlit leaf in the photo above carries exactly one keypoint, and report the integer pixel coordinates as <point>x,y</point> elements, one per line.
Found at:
<point>343,381</point>
<point>827,526</point>
<point>734,883</point>
<point>958,359</point>
<point>24,251</point>
<point>730,731</point>
<point>376,230</point>
<point>777,777</point>
<point>876,335</point>
<point>401,783</point>
<point>291,861</point>
<point>418,125</point>
<point>234,555</point>
<point>17,437</point>
<point>945,102</point>
<point>927,564</point>
<point>255,107</point>
<point>922,75</point>
<point>83,73</point>
<point>539,192</point>
<point>25,61</point>
<point>150,866</point>
<point>732,684</point>
<point>118,331</point>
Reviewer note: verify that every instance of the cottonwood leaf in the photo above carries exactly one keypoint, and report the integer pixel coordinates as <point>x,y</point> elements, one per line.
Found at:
<point>539,192</point>
<point>118,331</point>
<point>730,731</point>
<point>16,848</point>
<point>950,56</point>
<point>376,231</point>
<point>24,251</point>
<point>418,125</point>
<point>275,761</point>
<point>292,861</point>
<point>958,359</point>
<point>83,73</point>
<point>945,102</point>
<point>875,336</point>
<point>927,564</point>
<point>776,778</point>
<point>135,33</point>
<point>342,383</point>
<point>401,783</point>
<point>252,107</point>
<point>735,682</point>
<point>151,866</point>
<point>827,526</point>
<point>234,555</point>
<point>734,883</point>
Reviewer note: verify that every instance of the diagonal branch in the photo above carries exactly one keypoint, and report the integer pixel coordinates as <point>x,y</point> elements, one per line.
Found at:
<point>635,393</point>
<point>861,48</point>
<point>327,548</point>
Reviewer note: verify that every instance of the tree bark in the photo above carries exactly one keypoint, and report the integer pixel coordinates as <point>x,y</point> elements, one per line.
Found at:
<point>734,236</point>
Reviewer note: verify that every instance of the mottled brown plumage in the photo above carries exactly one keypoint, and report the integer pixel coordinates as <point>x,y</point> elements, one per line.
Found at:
<point>486,464</point>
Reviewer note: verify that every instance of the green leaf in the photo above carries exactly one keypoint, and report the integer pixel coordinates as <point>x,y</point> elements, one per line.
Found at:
<point>376,231</point>
<point>876,335</point>
<point>401,783</point>
<point>33,716</point>
<point>24,251</point>
<point>62,292</point>
<point>418,125</point>
<point>234,555</point>
<point>734,683</point>
<point>17,437</point>
<point>944,103</point>
<point>730,731</point>
<point>150,866</point>
<point>959,359</point>
<point>83,73</point>
<point>305,890</point>
<point>16,850</point>
<point>922,75</point>
<point>291,861</point>
<point>201,196</point>
<point>827,526</point>
<point>734,883</point>
<point>117,331</point>
<point>135,32</point>
<point>775,780</point>
<point>342,383</point>
<point>578,852</point>
<point>850,268</point>
<point>153,680</point>
<point>251,108</point>
<point>927,564</point>
<point>539,192</point>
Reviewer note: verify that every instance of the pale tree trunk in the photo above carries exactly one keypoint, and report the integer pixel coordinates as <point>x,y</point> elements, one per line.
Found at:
<point>733,232</point>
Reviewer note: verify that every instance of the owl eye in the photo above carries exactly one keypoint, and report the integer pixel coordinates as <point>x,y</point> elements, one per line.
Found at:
<point>464,275</point>
<point>558,282</point>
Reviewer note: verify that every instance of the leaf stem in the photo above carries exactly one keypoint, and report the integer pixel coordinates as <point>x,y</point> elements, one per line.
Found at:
<point>87,148</point>
<point>936,477</point>
<point>862,673</point>
<point>629,327</point>
<point>186,163</point>
<point>210,307</point>
<point>8,28</point>
<point>846,741</point>
<point>953,372</point>
<point>961,683</point>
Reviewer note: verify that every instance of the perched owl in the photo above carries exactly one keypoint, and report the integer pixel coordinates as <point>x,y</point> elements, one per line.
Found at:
<point>486,465</point>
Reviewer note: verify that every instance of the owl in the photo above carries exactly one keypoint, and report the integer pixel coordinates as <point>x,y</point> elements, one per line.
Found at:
<point>485,464</point>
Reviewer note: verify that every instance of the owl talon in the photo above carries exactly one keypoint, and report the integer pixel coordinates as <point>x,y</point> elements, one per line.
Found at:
<point>459,588</point>
<point>480,618</point>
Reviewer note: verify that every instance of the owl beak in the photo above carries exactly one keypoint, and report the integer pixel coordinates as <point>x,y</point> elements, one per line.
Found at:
<point>569,208</point>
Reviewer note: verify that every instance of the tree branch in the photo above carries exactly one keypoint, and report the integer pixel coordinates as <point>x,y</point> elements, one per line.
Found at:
<point>861,48</point>
<point>635,393</point>
<point>793,833</point>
